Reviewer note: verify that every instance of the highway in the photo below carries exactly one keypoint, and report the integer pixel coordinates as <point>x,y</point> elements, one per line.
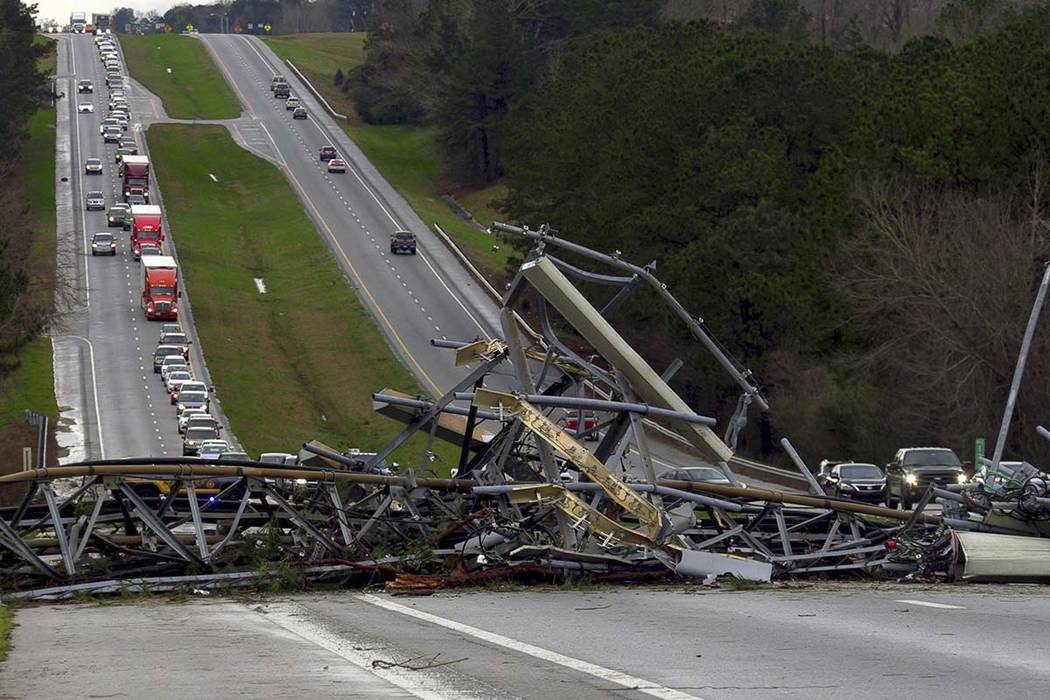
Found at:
<point>414,298</point>
<point>112,404</point>
<point>796,642</point>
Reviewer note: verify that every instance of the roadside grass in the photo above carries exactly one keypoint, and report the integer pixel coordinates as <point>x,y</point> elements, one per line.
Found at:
<point>31,385</point>
<point>48,64</point>
<point>321,53</point>
<point>39,159</point>
<point>302,360</point>
<point>195,88</point>
<point>6,623</point>
<point>409,157</point>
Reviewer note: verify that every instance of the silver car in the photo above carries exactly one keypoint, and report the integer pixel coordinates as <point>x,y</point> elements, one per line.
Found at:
<point>163,351</point>
<point>103,243</point>
<point>95,200</point>
<point>191,399</point>
<point>93,166</point>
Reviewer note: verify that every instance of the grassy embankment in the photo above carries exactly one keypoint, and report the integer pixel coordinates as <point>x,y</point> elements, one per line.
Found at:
<point>5,631</point>
<point>32,385</point>
<point>302,360</point>
<point>194,89</point>
<point>408,156</point>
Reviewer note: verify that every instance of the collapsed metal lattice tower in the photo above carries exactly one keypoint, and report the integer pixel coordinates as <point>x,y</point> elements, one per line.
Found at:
<point>531,496</point>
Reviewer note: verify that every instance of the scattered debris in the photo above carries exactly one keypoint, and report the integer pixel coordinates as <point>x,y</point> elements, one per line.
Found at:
<point>555,482</point>
<point>414,664</point>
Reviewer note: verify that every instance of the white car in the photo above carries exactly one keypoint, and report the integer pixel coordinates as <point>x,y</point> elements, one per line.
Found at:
<point>213,449</point>
<point>172,362</point>
<point>203,421</point>
<point>185,416</point>
<point>291,103</point>
<point>176,378</point>
<point>85,108</point>
<point>93,166</point>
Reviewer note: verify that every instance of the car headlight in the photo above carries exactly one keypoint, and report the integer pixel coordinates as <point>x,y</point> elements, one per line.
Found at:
<point>960,479</point>
<point>182,407</point>
<point>911,479</point>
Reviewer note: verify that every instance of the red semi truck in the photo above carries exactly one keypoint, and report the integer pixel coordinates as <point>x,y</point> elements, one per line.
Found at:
<point>146,227</point>
<point>134,172</point>
<point>160,288</point>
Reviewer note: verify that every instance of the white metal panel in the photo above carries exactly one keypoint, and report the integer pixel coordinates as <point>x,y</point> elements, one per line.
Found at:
<point>646,382</point>
<point>991,557</point>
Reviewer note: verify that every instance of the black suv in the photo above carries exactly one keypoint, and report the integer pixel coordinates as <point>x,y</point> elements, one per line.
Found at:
<point>403,242</point>
<point>913,469</point>
<point>856,480</point>
<point>328,153</point>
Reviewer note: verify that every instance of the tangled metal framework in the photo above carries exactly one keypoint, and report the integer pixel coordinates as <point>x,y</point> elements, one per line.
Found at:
<point>134,519</point>
<point>558,470</point>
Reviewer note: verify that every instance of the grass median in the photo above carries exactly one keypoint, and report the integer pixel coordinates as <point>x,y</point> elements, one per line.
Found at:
<point>193,89</point>
<point>409,157</point>
<point>302,360</point>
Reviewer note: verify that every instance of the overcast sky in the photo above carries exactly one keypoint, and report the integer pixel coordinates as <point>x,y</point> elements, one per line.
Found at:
<point>59,10</point>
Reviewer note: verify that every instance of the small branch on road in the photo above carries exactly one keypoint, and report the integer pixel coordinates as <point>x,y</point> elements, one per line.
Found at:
<point>414,665</point>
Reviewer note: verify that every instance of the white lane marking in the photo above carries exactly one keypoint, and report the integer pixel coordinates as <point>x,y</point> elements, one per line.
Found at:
<point>94,390</point>
<point>291,618</point>
<point>941,606</point>
<point>606,674</point>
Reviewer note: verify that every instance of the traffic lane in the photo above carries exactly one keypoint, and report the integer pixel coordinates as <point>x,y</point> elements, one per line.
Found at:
<point>473,297</point>
<point>462,665</point>
<point>399,289</point>
<point>794,644</point>
<point>165,650</point>
<point>147,108</point>
<point>470,296</point>
<point>412,305</point>
<point>132,402</point>
<point>122,393</point>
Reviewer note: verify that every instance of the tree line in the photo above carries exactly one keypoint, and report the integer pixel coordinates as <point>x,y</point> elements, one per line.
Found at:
<point>24,89</point>
<point>855,203</point>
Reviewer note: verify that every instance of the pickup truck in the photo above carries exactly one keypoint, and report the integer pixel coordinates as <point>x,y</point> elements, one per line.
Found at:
<point>913,469</point>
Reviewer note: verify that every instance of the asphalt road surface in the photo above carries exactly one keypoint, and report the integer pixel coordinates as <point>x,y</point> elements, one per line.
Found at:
<point>415,298</point>
<point>823,641</point>
<point>112,403</point>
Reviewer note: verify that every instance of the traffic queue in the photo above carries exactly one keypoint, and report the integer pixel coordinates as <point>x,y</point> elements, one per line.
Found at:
<point>144,224</point>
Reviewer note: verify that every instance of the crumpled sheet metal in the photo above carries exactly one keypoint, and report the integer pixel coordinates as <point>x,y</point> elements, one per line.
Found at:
<point>655,524</point>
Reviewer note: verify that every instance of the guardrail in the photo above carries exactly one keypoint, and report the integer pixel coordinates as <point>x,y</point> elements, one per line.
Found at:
<point>317,94</point>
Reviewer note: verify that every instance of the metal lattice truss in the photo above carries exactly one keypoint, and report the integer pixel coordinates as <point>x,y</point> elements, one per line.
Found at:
<point>556,476</point>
